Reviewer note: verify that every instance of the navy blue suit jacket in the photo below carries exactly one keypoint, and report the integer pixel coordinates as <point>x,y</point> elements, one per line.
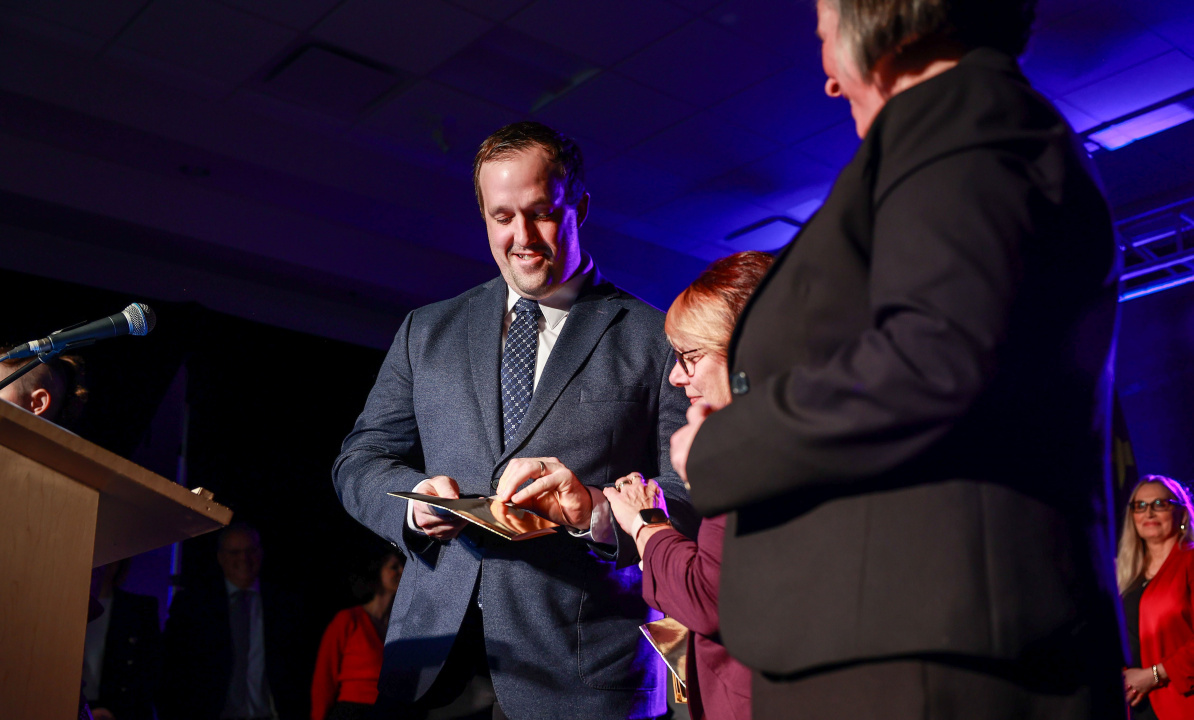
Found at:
<point>560,615</point>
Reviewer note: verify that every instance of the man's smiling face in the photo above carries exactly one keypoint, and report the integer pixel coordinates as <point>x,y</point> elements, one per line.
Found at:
<point>533,232</point>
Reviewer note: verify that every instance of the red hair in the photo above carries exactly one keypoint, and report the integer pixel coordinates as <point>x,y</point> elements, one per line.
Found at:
<point>707,310</point>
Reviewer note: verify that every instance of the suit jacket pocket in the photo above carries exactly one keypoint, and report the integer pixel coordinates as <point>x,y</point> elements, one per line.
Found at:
<point>615,393</point>
<point>613,653</point>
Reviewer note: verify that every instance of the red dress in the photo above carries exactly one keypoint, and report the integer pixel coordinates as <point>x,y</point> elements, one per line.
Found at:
<point>1167,633</point>
<point>681,579</point>
<point>349,662</point>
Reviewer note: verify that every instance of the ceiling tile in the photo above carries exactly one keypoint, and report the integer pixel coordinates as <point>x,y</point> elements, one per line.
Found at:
<point>514,70</point>
<point>702,64</point>
<point>789,29</point>
<point>786,107</point>
<point>492,9</point>
<point>614,110</point>
<point>702,147</point>
<point>1078,120</point>
<point>297,14</point>
<point>219,42</point>
<point>326,79</point>
<point>1086,46</point>
<point>695,5</point>
<point>44,39</point>
<point>707,216</point>
<point>100,19</point>
<point>413,36</point>
<point>433,118</point>
<point>779,182</point>
<point>627,187</point>
<point>604,32</point>
<point>1171,19</point>
<point>834,147</point>
<point>1135,88</point>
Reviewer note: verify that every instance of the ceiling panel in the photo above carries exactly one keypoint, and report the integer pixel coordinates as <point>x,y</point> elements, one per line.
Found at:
<point>99,19</point>
<point>701,147</point>
<point>708,216</point>
<point>778,182</point>
<point>604,32</point>
<point>630,187</point>
<point>435,119</point>
<point>702,63</point>
<point>492,9</point>
<point>1087,46</point>
<point>615,110</point>
<point>782,26</point>
<point>834,146</point>
<point>325,79</point>
<point>786,107</point>
<point>413,36</point>
<point>1171,19</point>
<point>219,42</point>
<point>514,70</point>
<point>1137,87</point>
<point>297,14</point>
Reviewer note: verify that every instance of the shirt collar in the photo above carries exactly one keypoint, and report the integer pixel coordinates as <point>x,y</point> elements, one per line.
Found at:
<point>556,306</point>
<point>232,589</point>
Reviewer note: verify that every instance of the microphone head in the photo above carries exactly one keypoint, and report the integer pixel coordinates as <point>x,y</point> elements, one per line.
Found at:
<point>141,317</point>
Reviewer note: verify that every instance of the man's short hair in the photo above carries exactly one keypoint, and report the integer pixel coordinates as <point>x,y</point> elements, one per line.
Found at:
<point>870,29</point>
<point>520,136</point>
<point>63,376</point>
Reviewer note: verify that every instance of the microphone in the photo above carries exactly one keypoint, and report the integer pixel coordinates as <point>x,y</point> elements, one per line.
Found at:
<point>136,319</point>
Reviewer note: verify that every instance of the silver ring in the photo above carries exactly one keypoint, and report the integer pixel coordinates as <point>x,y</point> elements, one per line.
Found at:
<point>542,468</point>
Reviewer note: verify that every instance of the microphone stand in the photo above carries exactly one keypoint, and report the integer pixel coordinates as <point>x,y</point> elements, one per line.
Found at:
<point>41,358</point>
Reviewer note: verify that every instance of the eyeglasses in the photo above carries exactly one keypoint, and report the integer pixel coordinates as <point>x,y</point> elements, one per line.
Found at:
<point>1159,505</point>
<point>689,364</point>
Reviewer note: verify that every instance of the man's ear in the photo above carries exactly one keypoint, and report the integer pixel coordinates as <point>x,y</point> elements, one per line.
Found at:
<point>582,210</point>
<point>39,401</point>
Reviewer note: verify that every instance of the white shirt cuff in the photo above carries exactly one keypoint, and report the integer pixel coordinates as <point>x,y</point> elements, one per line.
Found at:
<point>410,508</point>
<point>601,522</point>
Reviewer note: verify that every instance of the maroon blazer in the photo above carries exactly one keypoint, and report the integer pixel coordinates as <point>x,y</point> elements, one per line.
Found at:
<point>680,578</point>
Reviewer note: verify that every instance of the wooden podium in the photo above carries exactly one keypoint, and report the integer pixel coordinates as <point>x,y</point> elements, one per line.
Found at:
<point>67,505</point>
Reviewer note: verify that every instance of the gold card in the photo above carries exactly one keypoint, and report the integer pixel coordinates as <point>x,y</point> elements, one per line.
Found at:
<point>504,519</point>
<point>670,640</point>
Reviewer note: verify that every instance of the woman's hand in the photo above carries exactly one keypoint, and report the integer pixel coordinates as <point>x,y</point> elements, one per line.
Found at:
<point>631,494</point>
<point>1138,682</point>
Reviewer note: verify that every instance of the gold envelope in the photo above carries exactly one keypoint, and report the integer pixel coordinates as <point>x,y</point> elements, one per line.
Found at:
<point>670,640</point>
<point>509,521</point>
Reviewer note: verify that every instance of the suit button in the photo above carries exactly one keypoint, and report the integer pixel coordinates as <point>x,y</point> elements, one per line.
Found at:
<point>132,641</point>
<point>739,383</point>
<point>130,662</point>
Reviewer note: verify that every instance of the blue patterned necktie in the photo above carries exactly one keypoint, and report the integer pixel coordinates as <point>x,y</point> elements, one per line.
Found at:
<point>518,365</point>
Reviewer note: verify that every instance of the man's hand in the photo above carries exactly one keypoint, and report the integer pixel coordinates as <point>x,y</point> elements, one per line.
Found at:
<point>556,492</point>
<point>439,527</point>
<point>682,438</point>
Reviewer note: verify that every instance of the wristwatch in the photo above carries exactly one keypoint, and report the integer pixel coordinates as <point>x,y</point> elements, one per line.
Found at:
<point>651,517</point>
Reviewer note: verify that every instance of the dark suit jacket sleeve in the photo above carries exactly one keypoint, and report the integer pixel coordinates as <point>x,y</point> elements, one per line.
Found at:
<point>383,452</point>
<point>945,265</point>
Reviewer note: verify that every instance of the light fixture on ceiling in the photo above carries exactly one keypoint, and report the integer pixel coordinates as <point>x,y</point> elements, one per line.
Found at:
<point>1141,123</point>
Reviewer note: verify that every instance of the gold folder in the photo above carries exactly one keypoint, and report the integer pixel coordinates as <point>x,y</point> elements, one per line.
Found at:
<point>504,519</point>
<point>670,640</point>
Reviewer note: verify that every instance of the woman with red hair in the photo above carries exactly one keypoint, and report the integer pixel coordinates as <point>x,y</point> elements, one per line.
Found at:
<point>680,577</point>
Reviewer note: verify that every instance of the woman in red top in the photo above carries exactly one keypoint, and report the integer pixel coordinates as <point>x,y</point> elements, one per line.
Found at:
<point>681,577</point>
<point>1155,571</point>
<point>349,662</point>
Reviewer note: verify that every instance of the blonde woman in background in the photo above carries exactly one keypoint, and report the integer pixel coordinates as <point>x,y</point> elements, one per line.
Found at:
<point>1155,570</point>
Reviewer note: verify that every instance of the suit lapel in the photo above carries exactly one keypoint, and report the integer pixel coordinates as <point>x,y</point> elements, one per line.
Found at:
<point>485,312</point>
<point>587,321</point>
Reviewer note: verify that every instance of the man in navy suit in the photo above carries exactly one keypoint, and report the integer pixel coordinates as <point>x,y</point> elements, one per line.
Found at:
<point>548,374</point>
